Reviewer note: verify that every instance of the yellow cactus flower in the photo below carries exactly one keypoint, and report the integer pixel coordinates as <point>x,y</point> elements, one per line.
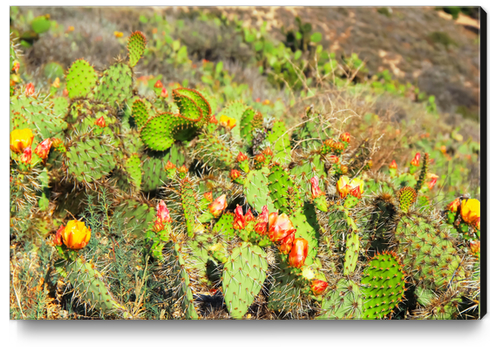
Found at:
<point>343,186</point>
<point>118,34</point>
<point>357,187</point>
<point>76,235</point>
<point>470,210</point>
<point>20,139</point>
<point>227,122</point>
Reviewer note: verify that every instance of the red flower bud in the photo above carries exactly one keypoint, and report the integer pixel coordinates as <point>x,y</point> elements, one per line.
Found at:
<point>318,287</point>
<point>345,137</point>
<point>268,151</point>
<point>183,169</point>
<point>239,221</point>
<point>249,217</point>
<point>241,157</point>
<point>454,206</point>
<point>315,189</point>
<point>393,165</point>
<point>163,216</point>
<point>164,93</point>
<point>100,122</point>
<point>432,183</point>
<point>26,156</point>
<point>170,165</point>
<point>416,160</point>
<point>29,89</point>
<point>57,237</point>
<point>263,219</point>
<point>279,226</point>
<point>158,84</point>
<point>235,174</point>
<point>260,158</point>
<point>287,243</point>
<point>213,119</point>
<point>42,150</point>
<point>208,196</point>
<point>333,159</point>
<point>299,252</point>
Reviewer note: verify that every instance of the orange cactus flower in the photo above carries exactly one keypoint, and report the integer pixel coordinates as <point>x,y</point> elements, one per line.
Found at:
<point>42,150</point>
<point>56,83</point>
<point>100,122</point>
<point>118,34</point>
<point>183,169</point>
<point>470,210</point>
<point>475,247</point>
<point>260,158</point>
<point>357,187</point>
<point>20,139</point>
<point>16,67</point>
<point>345,137</point>
<point>227,122</point>
<point>249,217</point>
<point>164,93</point>
<point>393,165</point>
<point>343,187</point>
<point>263,220</point>
<point>432,183</point>
<point>158,84</point>
<point>170,165</point>
<point>213,119</point>
<point>416,160</point>
<point>287,243</point>
<point>268,152</point>
<point>315,189</point>
<point>333,159</point>
<point>75,235</point>
<point>318,287</point>
<point>279,226</point>
<point>208,196</point>
<point>299,252</point>
<point>57,238</point>
<point>218,206</point>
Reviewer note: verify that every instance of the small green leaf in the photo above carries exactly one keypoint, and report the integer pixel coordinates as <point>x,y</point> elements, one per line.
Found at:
<point>316,37</point>
<point>143,19</point>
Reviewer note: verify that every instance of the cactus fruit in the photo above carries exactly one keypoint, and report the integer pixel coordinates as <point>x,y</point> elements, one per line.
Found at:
<point>382,285</point>
<point>136,47</point>
<point>243,276</point>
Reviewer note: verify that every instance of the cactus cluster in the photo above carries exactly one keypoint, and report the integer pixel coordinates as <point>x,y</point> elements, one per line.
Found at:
<point>231,208</point>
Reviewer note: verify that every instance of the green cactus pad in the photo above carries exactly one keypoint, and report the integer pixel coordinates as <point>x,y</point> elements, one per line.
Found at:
<point>278,137</point>
<point>306,170</point>
<point>383,285</point>
<point>192,105</point>
<point>243,276</point>
<point>235,110</point>
<point>429,254</point>
<point>256,191</point>
<point>140,113</point>
<point>90,159</point>
<point>90,288</point>
<point>189,205</point>
<point>343,301</point>
<point>37,115</point>
<point>138,217</point>
<point>157,133</point>
<point>153,167</point>
<point>283,191</point>
<point>307,229</point>
<point>406,198</point>
<point>116,85</point>
<point>214,152</point>
<point>80,79</point>
<point>133,168</point>
<point>246,129</point>
<point>224,226</point>
<point>136,47</point>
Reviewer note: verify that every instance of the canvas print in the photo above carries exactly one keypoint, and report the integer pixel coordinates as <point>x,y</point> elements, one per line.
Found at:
<point>248,163</point>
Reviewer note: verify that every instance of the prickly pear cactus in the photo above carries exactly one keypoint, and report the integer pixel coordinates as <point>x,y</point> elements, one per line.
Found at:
<point>344,301</point>
<point>243,276</point>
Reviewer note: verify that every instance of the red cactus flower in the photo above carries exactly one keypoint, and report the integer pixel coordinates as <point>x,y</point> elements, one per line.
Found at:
<point>16,67</point>
<point>268,151</point>
<point>432,183</point>
<point>241,157</point>
<point>318,287</point>
<point>218,206</point>
<point>345,137</point>
<point>100,122</point>
<point>315,189</point>
<point>213,119</point>
<point>183,169</point>
<point>239,222</point>
<point>393,165</point>
<point>30,89</point>
<point>279,226</point>
<point>263,219</point>
<point>42,150</point>
<point>299,252</point>
<point>416,160</point>
<point>163,216</point>
<point>260,158</point>
<point>57,238</point>
<point>26,156</point>
<point>164,93</point>
<point>287,243</point>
